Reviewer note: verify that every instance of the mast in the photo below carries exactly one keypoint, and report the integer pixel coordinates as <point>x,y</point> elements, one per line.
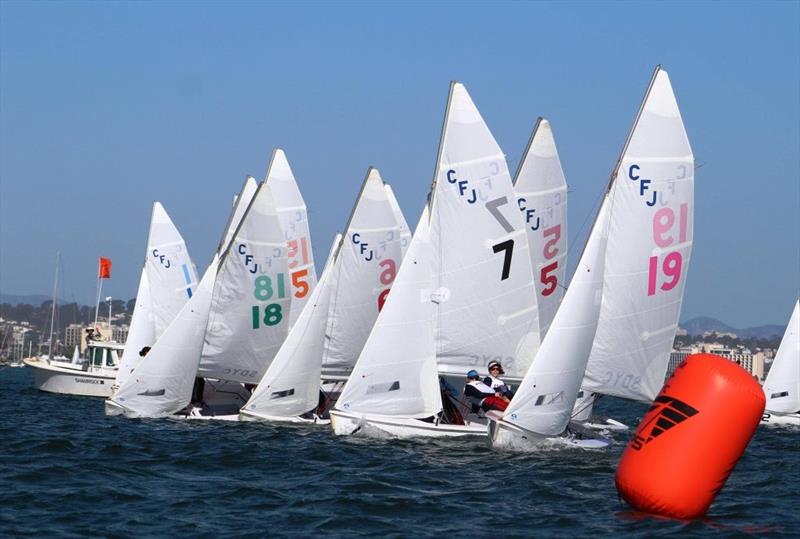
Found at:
<point>53,310</point>
<point>353,211</point>
<point>441,147</point>
<point>527,149</point>
<point>614,171</point>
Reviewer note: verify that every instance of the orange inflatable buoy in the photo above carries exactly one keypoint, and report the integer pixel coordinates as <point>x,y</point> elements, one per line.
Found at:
<point>691,438</point>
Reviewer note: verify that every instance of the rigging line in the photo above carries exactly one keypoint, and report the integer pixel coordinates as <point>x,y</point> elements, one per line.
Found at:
<point>593,211</point>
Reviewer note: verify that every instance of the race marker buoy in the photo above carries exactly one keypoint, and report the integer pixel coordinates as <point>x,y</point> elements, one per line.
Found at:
<point>691,438</point>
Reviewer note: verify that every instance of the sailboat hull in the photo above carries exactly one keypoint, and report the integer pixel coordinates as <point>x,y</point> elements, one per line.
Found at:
<point>378,426</point>
<point>771,418</point>
<point>245,415</point>
<point>504,435</point>
<point>71,379</point>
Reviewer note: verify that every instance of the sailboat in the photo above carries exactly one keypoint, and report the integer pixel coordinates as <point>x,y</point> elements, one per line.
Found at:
<point>289,390</point>
<point>540,412</point>
<point>60,374</point>
<point>462,298</point>
<point>363,271</point>
<point>161,384</point>
<point>782,386</point>
<point>293,216</point>
<point>228,331</point>
<point>167,282</point>
<point>542,198</point>
<point>250,308</point>
<point>647,256</point>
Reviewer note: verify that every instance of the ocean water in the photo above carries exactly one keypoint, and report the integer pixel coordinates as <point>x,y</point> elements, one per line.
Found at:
<point>67,470</point>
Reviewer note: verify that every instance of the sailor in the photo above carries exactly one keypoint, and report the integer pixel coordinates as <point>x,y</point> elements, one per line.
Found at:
<point>494,381</point>
<point>482,396</point>
<point>143,352</point>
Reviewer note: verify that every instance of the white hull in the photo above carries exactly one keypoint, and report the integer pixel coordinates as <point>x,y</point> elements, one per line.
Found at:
<point>378,426</point>
<point>603,424</point>
<point>71,379</point>
<point>504,435</point>
<point>252,416</point>
<point>772,418</point>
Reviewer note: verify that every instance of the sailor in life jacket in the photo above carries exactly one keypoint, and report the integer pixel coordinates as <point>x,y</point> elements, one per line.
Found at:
<point>481,396</point>
<point>494,381</point>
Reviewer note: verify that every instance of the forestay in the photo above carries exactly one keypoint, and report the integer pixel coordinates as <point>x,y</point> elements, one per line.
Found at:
<point>167,282</point>
<point>239,206</point>
<point>162,383</point>
<point>364,270</point>
<point>647,257</point>
<point>405,233</point>
<point>485,296</point>
<point>544,401</point>
<point>249,316</point>
<point>290,387</point>
<point>293,217</point>
<point>542,198</point>
<point>782,386</point>
<point>396,374</point>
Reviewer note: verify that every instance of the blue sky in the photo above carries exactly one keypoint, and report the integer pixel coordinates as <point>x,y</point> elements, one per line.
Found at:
<point>106,107</point>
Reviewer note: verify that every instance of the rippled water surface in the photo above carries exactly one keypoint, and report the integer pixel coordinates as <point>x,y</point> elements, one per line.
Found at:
<point>69,470</point>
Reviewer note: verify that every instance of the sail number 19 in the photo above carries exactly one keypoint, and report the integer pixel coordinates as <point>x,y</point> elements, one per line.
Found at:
<point>671,264</point>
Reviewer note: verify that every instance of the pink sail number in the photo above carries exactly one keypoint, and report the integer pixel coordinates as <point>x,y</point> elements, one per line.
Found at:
<point>671,264</point>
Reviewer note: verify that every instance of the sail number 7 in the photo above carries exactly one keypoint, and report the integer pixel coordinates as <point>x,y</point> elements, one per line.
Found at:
<point>508,247</point>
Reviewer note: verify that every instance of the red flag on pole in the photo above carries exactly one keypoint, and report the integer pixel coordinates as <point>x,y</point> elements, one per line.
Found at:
<point>104,271</point>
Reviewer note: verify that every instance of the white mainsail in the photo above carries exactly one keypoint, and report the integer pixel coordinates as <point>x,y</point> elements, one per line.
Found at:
<point>485,294</point>
<point>542,198</point>
<point>544,401</point>
<point>782,386</point>
<point>293,216</point>
<point>290,387</point>
<point>396,371</point>
<point>647,256</point>
<point>363,272</point>
<point>162,383</point>
<point>167,282</point>
<point>249,315</point>
<point>240,204</point>
<point>405,233</point>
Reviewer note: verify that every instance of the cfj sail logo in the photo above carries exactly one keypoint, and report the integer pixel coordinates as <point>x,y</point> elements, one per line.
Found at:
<point>671,412</point>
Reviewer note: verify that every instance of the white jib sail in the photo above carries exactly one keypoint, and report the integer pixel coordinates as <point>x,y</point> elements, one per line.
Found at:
<point>405,232</point>
<point>365,268</point>
<point>544,401</point>
<point>240,204</point>
<point>542,198</point>
<point>290,387</point>
<point>782,386</point>
<point>169,278</point>
<point>647,257</point>
<point>293,216</point>
<point>485,295</point>
<point>249,317</point>
<point>396,372</point>
<point>141,333</point>
<point>162,383</point>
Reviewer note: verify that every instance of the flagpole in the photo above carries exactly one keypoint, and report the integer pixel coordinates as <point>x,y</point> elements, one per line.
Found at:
<point>97,303</point>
